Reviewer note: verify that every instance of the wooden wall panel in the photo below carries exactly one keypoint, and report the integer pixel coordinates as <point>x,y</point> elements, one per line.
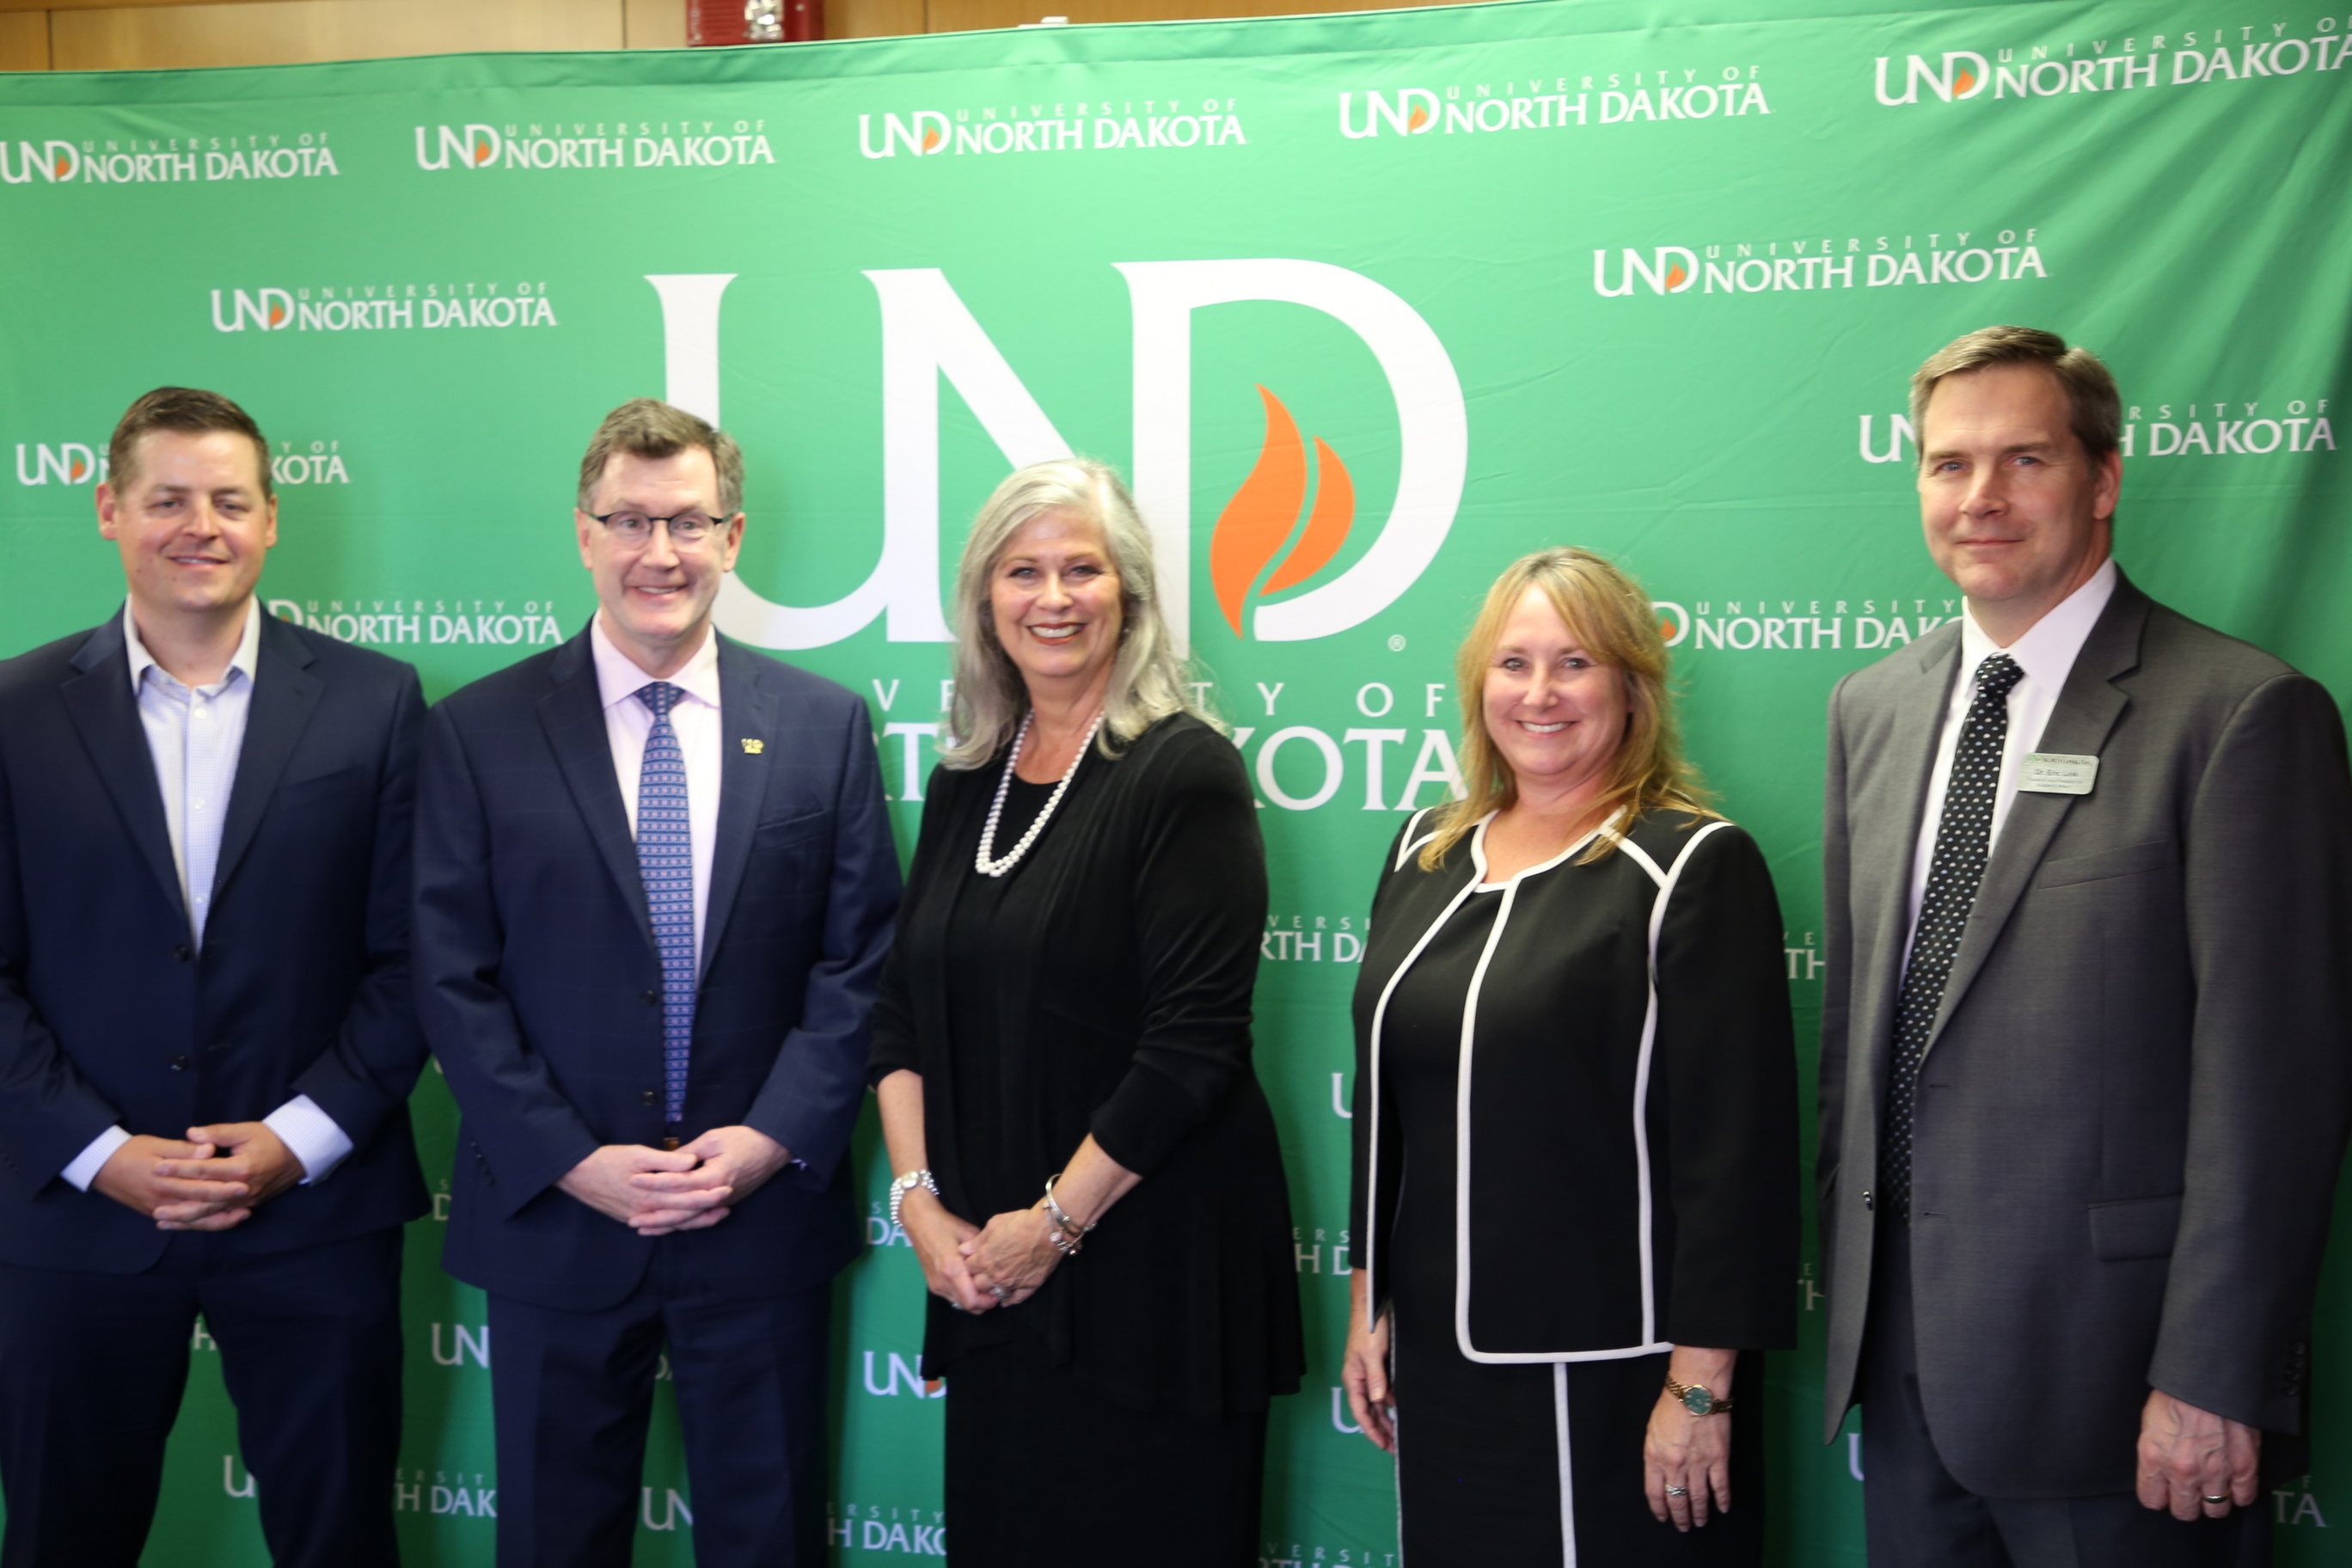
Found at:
<point>275,32</point>
<point>957,16</point>
<point>875,18</point>
<point>24,41</point>
<point>653,24</point>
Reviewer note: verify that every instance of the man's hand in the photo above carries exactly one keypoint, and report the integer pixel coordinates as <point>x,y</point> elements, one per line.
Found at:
<point>2188,1457</point>
<point>172,1184</point>
<point>247,1154</point>
<point>728,1165</point>
<point>602,1181</point>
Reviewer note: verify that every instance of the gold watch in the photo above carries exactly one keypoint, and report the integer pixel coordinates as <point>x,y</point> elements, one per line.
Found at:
<point>1697,1398</point>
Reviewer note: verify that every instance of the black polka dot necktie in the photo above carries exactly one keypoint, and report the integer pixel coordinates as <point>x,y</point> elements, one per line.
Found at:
<point>1962,838</point>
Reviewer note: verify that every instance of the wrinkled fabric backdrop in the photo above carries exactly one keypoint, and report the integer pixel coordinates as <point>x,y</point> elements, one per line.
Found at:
<point>1367,305</point>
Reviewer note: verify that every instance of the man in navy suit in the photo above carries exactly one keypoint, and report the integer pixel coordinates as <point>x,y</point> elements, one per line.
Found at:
<point>655,885</point>
<point>207,1034</point>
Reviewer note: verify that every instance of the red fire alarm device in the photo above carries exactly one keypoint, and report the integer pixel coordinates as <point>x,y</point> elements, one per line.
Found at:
<point>710,22</point>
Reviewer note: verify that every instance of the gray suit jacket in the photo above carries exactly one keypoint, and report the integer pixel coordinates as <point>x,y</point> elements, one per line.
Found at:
<point>2135,1102</point>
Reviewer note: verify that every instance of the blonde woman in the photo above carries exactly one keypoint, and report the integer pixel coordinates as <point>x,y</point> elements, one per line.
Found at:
<point>1086,1165</point>
<point>1575,1116</point>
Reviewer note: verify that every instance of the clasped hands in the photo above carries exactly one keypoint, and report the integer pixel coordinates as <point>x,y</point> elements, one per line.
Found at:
<point>213,1180</point>
<point>968,1265</point>
<point>657,1191</point>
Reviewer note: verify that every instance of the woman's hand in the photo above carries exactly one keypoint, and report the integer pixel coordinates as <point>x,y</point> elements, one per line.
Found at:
<point>938,1239</point>
<point>1365,1372</point>
<point>1013,1256</point>
<point>1687,1458</point>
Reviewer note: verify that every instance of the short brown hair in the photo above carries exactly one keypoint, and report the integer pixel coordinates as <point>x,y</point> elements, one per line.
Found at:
<point>648,427</point>
<point>184,409</point>
<point>2095,407</point>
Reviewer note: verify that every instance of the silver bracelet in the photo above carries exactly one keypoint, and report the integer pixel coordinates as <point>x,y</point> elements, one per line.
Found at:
<point>1069,1226</point>
<point>907,1183</point>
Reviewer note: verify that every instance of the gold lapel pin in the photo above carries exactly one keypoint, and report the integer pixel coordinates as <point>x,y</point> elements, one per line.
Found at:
<point>754,747</point>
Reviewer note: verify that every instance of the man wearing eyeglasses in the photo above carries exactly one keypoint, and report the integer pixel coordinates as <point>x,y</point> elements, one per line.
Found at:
<point>655,885</point>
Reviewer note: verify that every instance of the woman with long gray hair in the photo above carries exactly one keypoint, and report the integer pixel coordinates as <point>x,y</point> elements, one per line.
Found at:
<point>1085,1163</point>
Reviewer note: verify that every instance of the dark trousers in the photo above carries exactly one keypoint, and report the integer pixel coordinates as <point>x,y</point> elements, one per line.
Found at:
<point>1915,1515</point>
<point>573,1391</point>
<point>92,1367</point>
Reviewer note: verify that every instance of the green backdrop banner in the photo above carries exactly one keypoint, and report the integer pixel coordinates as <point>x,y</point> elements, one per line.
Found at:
<point>1451,284</point>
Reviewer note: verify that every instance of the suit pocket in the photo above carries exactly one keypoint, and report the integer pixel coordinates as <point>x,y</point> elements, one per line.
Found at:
<point>2129,861</point>
<point>323,786</point>
<point>783,833</point>
<point>2136,1227</point>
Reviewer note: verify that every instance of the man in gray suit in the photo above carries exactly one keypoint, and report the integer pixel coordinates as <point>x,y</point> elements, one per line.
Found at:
<point>2083,1066</point>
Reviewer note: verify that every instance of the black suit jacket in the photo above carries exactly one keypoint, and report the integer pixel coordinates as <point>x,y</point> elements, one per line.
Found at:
<point>109,1013</point>
<point>2134,1103</point>
<point>540,985</point>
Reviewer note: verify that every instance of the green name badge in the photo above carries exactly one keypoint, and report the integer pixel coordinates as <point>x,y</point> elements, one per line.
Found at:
<point>2054,773</point>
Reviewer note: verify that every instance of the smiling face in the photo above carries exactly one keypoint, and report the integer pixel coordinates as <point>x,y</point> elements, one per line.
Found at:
<point>657,596</point>
<point>2016,513</point>
<point>191,523</point>
<point>1054,600</point>
<point>1556,714</point>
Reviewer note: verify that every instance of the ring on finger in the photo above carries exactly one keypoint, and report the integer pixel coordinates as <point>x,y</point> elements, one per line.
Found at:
<point>1678,1491</point>
<point>2215,1499</point>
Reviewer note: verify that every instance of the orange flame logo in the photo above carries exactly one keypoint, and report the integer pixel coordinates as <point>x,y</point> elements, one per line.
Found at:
<point>1967,83</point>
<point>64,168</point>
<point>1417,119</point>
<point>482,151</point>
<point>276,315</point>
<point>930,138</point>
<point>1263,513</point>
<point>1676,276</point>
<point>75,470</point>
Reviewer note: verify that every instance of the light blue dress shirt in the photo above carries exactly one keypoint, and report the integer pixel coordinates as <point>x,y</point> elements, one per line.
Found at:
<point>193,735</point>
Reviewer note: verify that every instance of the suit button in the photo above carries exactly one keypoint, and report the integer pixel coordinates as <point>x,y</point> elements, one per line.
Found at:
<point>179,1064</point>
<point>1868,1202</point>
<point>653,998</point>
<point>182,952</point>
<point>650,1098</point>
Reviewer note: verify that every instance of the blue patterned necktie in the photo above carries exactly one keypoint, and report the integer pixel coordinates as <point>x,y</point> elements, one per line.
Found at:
<point>1961,840</point>
<point>665,861</point>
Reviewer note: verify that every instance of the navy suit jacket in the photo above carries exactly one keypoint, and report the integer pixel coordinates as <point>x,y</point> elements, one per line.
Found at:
<point>108,1012</point>
<point>540,985</point>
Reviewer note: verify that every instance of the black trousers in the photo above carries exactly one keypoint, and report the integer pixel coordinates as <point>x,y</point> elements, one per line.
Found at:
<point>92,1367</point>
<point>1915,1515</point>
<point>572,1394</point>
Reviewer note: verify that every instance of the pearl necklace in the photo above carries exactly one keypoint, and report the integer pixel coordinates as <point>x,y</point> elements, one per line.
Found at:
<point>980,861</point>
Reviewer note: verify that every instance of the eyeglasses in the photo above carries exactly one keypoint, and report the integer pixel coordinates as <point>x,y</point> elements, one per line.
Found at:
<point>636,528</point>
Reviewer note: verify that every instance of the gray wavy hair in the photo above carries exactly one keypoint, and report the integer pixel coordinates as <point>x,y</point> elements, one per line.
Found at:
<point>1148,681</point>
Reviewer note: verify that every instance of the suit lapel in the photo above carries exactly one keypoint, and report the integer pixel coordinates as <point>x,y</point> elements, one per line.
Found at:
<point>749,713</point>
<point>100,701</point>
<point>2079,725</point>
<point>573,712</point>
<point>284,694</point>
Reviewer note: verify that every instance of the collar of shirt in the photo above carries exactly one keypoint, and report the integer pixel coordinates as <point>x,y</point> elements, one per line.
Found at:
<point>618,677</point>
<point>2046,652</point>
<point>248,648</point>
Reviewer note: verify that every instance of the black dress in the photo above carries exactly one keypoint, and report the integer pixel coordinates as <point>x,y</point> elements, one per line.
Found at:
<point>1103,985</point>
<point>1628,1183</point>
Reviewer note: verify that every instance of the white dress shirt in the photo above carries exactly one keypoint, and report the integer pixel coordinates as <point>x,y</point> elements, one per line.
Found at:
<point>193,737</point>
<point>695,719</point>
<point>2046,654</point>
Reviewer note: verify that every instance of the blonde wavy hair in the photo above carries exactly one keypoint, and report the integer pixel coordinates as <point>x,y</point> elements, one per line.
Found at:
<point>1148,680</point>
<point>1609,614</point>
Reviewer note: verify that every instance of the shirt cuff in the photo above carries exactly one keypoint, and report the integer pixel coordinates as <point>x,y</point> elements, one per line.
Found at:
<point>311,1134</point>
<point>93,1157</point>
